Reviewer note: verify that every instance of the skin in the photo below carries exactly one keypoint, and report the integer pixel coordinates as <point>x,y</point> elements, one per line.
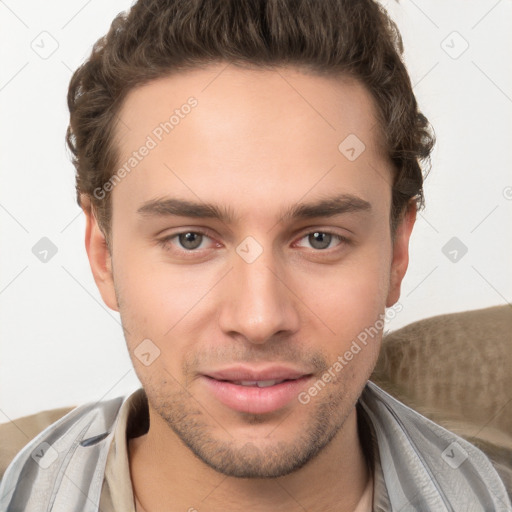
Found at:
<point>258,141</point>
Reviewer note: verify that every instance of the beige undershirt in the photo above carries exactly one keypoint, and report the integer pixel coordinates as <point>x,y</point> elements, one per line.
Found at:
<point>366,502</point>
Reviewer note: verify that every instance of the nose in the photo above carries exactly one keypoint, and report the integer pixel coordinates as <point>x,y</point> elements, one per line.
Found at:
<point>259,304</point>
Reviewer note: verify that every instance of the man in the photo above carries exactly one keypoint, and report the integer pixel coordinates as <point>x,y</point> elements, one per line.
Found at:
<point>250,173</point>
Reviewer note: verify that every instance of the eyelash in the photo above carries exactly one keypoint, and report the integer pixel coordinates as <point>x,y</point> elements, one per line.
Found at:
<point>164,242</point>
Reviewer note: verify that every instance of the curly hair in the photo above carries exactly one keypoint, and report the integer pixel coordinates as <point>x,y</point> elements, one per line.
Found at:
<point>156,38</point>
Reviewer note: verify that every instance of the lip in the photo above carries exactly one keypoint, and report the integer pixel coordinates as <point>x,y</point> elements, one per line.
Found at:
<point>237,373</point>
<point>253,399</point>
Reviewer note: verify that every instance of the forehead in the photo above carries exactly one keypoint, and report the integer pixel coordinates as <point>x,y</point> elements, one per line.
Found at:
<point>265,133</point>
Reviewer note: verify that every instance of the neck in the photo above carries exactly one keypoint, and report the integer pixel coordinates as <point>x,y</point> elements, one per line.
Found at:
<point>165,471</point>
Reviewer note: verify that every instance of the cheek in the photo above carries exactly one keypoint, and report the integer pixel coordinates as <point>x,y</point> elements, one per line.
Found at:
<point>354,292</point>
<point>155,305</point>
<point>152,296</point>
<point>350,300</point>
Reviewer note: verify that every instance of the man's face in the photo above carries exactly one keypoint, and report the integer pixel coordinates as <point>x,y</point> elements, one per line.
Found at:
<point>262,296</point>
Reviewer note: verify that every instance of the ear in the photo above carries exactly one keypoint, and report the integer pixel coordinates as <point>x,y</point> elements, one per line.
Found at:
<point>400,259</point>
<point>99,256</point>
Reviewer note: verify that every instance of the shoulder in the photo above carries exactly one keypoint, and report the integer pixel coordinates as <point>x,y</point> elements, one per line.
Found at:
<point>79,440</point>
<point>17,433</point>
<point>445,468</point>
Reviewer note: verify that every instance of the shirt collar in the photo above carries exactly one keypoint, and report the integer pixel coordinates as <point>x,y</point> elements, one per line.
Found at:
<point>132,421</point>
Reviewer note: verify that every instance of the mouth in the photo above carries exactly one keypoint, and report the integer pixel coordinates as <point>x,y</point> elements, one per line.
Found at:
<point>256,395</point>
<point>258,383</point>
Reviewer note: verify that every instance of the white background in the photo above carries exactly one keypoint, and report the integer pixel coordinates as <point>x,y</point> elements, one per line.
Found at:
<point>59,345</point>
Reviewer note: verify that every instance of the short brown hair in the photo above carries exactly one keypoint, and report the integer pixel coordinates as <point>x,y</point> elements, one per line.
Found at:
<point>156,38</point>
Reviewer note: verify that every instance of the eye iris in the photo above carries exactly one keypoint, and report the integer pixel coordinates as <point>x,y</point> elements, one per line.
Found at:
<point>190,240</point>
<point>323,238</point>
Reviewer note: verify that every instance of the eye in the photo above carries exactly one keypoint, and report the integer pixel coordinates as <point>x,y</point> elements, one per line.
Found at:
<point>321,240</point>
<point>187,241</point>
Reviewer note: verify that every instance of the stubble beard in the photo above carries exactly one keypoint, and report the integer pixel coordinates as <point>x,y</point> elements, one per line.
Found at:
<point>211,442</point>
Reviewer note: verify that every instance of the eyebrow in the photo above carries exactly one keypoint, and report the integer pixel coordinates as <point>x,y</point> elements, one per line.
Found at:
<point>327,207</point>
